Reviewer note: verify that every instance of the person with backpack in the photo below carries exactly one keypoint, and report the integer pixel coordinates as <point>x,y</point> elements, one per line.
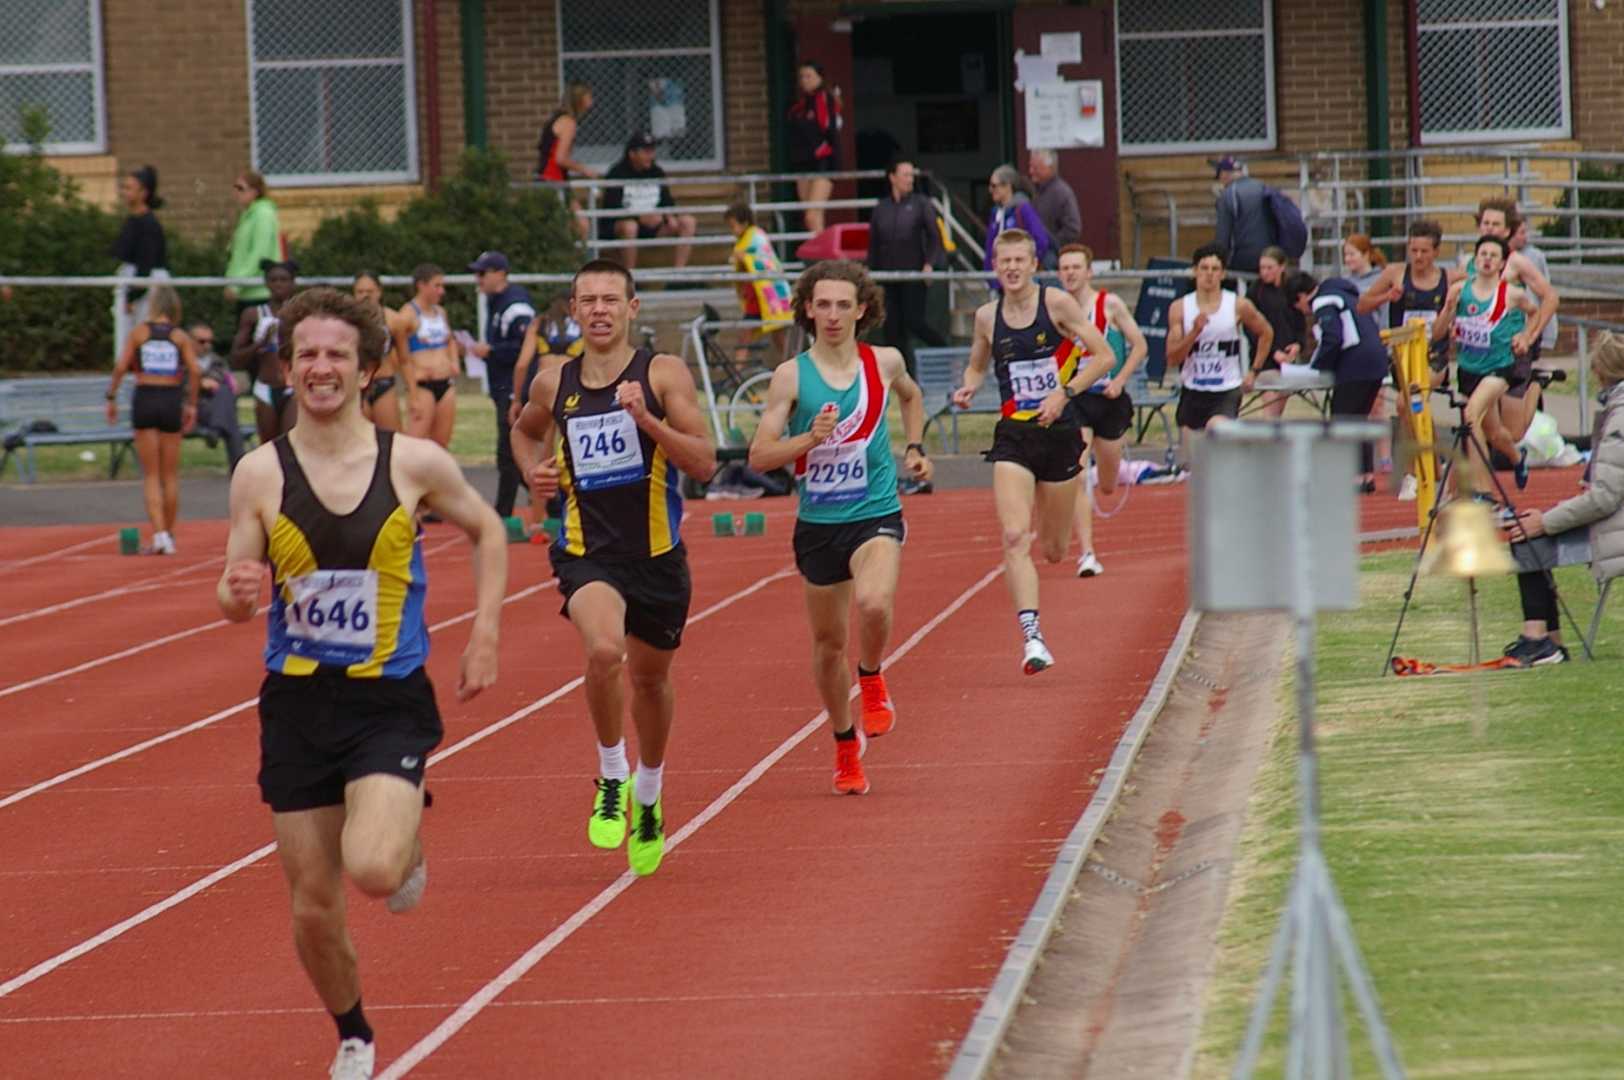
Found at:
<point>1253,216</point>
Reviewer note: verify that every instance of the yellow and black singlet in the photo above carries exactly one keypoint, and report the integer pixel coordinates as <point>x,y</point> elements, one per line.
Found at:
<point>347,589</point>
<point>622,496</point>
<point>1031,361</point>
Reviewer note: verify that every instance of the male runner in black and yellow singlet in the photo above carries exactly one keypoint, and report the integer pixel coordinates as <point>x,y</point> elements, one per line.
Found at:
<point>629,423</point>
<point>347,713</point>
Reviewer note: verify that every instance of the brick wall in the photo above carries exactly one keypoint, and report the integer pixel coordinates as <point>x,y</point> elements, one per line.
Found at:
<point>1596,53</point>
<point>448,26</point>
<point>1319,53</point>
<point>747,122</point>
<point>521,76</point>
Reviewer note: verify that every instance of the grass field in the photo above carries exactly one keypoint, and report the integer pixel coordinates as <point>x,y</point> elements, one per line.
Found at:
<point>1473,825</point>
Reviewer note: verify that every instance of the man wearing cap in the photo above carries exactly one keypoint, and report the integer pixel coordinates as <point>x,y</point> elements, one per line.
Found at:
<point>647,199</point>
<point>1244,225</point>
<point>510,315</point>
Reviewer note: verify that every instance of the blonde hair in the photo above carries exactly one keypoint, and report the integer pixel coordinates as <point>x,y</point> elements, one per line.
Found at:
<point>1607,358</point>
<point>163,304</point>
<point>1016,236</point>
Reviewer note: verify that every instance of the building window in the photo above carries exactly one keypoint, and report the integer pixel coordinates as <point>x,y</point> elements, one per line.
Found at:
<point>331,97</point>
<point>1194,77</point>
<point>660,72</point>
<point>1493,69</point>
<point>51,59</point>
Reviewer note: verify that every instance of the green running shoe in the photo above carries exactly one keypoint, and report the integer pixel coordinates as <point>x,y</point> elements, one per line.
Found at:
<point>606,828</point>
<point>645,845</point>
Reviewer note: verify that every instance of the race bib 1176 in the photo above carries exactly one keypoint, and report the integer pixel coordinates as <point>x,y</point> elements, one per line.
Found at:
<point>332,615</point>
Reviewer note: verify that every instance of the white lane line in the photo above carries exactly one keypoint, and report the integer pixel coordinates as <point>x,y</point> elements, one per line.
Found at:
<point>108,594</point>
<point>59,552</point>
<point>135,650</point>
<point>45,967</point>
<point>520,967</point>
<point>198,725</point>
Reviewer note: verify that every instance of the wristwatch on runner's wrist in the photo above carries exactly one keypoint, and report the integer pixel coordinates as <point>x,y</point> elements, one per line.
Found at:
<point>1071,391</point>
<point>919,446</point>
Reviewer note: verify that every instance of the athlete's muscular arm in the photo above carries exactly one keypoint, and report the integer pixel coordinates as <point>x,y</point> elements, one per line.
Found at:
<point>975,372</point>
<point>243,345</point>
<point>1386,289</point>
<point>912,400</point>
<point>1444,324</point>
<point>1138,348</point>
<point>1529,277</point>
<point>769,449</point>
<point>402,328</point>
<point>194,378</point>
<point>447,492</point>
<point>1179,343</point>
<point>532,438</point>
<point>521,370</point>
<point>1251,318</point>
<point>1069,316</point>
<point>682,433</point>
<point>126,357</point>
<point>257,478</point>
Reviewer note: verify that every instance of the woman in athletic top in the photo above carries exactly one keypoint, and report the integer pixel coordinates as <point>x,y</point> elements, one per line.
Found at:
<point>379,401</point>
<point>140,248</point>
<point>556,147</point>
<point>164,405</point>
<point>814,140</point>
<point>428,355</point>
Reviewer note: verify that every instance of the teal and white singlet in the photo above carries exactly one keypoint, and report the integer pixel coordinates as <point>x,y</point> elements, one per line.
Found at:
<point>1484,329</point>
<point>850,476</point>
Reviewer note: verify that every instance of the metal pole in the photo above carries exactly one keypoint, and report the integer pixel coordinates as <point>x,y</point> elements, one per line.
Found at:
<point>1584,382</point>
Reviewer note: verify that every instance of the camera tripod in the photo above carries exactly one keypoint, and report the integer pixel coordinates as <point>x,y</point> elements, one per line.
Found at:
<point>1465,439</point>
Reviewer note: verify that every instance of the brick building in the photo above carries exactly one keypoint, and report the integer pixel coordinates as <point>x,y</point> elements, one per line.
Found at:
<point>379,97</point>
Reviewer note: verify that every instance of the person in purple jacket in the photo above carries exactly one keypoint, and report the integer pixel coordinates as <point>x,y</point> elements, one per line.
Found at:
<point>1011,209</point>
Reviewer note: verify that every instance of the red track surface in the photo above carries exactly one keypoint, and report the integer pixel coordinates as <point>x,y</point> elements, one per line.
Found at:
<point>794,934</point>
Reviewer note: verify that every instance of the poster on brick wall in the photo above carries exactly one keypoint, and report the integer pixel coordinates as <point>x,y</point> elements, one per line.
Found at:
<point>668,109</point>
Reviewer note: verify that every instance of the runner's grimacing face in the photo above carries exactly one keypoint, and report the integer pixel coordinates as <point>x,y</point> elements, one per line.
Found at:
<point>602,309</point>
<point>1422,251</point>
<point>279,283</point>
<point>1015,266</point>
<point>326,370</point>
<point>1075,273</point>
<point>1209,274</point>
<point>1489,261</point>
<point>835,311</point>
<point>1493,223</point>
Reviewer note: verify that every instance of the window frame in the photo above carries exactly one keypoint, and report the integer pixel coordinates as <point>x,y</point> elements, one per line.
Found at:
<point>719,104</point>
<point>1504,135</point>
<point>97,67</point>
<point>413,171</point>
<point>1268,142</point>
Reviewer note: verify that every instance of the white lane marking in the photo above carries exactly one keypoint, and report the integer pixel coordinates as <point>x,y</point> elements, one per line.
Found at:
<point>106,594</point>
<point>198,725</point>
<point>583,915</point>
<point>45,967</point>
<point>59,552</point>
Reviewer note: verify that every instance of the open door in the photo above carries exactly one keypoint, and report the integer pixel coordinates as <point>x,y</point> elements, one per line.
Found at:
<point>1091,172</point>
<point>826,40</point>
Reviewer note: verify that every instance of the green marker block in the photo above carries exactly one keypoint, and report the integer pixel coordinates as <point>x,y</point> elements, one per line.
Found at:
<point>515,530</point>
<point>129,541</point>
<point>755,524</point>
<point>552,526</point>
<point>724,525</point>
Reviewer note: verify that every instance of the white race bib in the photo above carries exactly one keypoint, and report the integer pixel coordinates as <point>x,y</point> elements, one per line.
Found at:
<point>1210,364</point>
<point>160,358</point>
<point>1030,381</point>
<point>332,615</point>
<point>836,474</point>
<point>1427,316</point>
<point>605,450</point>
<point>1474,333</point>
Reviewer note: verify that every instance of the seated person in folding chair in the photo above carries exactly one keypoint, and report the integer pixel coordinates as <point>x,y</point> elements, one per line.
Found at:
<point>1105,410</point>
<point>647,198</point>
<point>1599,507</point>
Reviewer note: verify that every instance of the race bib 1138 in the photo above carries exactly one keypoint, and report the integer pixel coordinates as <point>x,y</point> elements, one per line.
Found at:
<point>1030,381</point>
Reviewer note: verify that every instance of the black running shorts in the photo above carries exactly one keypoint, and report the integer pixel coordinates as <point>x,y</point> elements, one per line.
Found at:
<point>319,732</point>
<point>1517,377</point>
<point>1196,407</point>
<point>823,551</point>
<point>657,591</point>
<point>1048,453</point>
<point>1108,418</point>
<point>157,407</point>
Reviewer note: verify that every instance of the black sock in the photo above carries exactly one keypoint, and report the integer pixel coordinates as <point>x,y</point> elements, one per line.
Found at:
<point>846,736</point>
<point>864,673</point>
<point>353,1024</point>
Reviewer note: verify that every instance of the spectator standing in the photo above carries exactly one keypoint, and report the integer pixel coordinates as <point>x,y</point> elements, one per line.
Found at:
<point>1289,325</point>
<point>511,314</point>
<point>1011,209</point>
<point>256,241</point>
<point>1056,202</point>
<point>556,148</point>
<point>1350,348</point>
<point>766,299</point>
<point>1244,225</point>
<point>814,140</point>
<point>1520,243</point>
<point>648,199</point>
<point>1363,263</point>
<point>217,395</point>
<point>140,248</point>
<point>902,235</point>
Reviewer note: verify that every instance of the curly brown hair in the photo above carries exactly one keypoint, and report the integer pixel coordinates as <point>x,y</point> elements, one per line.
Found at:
<point>869,295</point>
<point>324,303</point>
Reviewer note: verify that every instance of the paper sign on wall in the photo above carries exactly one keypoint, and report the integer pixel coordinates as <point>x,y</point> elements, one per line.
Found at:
<point>1062,48</point>
<point>1065,114</point>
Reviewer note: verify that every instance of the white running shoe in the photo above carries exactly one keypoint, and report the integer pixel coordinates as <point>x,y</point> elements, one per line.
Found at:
<point>410,893</point>
<point>1037,657</point>
<point>1406,490</point>
<point>1089,566</point>
<point>354,1061</point>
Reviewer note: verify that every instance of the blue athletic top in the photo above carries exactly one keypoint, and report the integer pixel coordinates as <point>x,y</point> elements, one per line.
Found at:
<point>433,332</point>
<point>849,476</point>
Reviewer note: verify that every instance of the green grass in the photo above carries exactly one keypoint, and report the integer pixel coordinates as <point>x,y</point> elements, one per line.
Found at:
<point>1473,825</point>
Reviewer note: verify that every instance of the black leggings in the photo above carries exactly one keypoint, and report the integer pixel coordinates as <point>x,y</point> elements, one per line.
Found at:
<point>906,318</point>
<point>1355,400</point>
<point>1539,599</point>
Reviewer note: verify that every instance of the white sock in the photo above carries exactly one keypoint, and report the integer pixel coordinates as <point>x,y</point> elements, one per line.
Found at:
<point>612,761</point>
<point>647,787</point>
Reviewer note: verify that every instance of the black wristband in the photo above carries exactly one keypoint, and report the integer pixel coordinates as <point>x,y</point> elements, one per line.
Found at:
<point>1071,391</point>
<point>916,446</point>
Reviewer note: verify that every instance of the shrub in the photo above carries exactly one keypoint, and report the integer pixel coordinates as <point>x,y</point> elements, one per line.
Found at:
<point>1590,199</point>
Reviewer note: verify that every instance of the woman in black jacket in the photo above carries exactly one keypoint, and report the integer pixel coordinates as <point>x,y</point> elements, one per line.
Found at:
<point>814,140</point>
<point>1290,328</point>
<point>140,247</point>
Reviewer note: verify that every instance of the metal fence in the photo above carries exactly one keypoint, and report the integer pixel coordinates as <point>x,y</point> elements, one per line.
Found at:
<point>1195,76</point>
<point>51,60</point>
<point>1464,48</point>
<point>330,99</point>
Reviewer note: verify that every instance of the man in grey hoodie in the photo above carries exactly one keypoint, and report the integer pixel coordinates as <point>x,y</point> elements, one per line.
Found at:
<point>1244,225</point>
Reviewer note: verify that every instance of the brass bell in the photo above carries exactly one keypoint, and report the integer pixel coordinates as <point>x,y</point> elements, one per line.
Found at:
<point>1466,543</point>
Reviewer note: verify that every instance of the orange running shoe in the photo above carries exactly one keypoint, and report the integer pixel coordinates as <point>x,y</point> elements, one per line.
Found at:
<point>849,778</point>
<point>879,714</point>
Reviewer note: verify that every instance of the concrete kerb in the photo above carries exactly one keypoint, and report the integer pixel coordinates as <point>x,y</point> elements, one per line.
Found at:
<point>980,1046</point>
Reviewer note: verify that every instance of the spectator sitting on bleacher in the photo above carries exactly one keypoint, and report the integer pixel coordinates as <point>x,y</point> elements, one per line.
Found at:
<point>1012,209</point>
<point>648,199</point>
<point>765,299</point>
<point>1244,225</point>
<point>217,395</point>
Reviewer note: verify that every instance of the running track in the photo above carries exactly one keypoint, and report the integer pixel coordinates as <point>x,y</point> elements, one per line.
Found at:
<point>143,921</point>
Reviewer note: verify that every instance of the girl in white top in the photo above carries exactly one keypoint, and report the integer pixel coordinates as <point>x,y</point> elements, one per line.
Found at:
<point>428,355</point>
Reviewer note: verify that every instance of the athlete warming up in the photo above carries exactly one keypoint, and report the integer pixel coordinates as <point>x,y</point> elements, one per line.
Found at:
<point>424,344</point>
<point>347,714</point>
<point>1027,337</point>
<point>848,526</point>
<point>630,426</point>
